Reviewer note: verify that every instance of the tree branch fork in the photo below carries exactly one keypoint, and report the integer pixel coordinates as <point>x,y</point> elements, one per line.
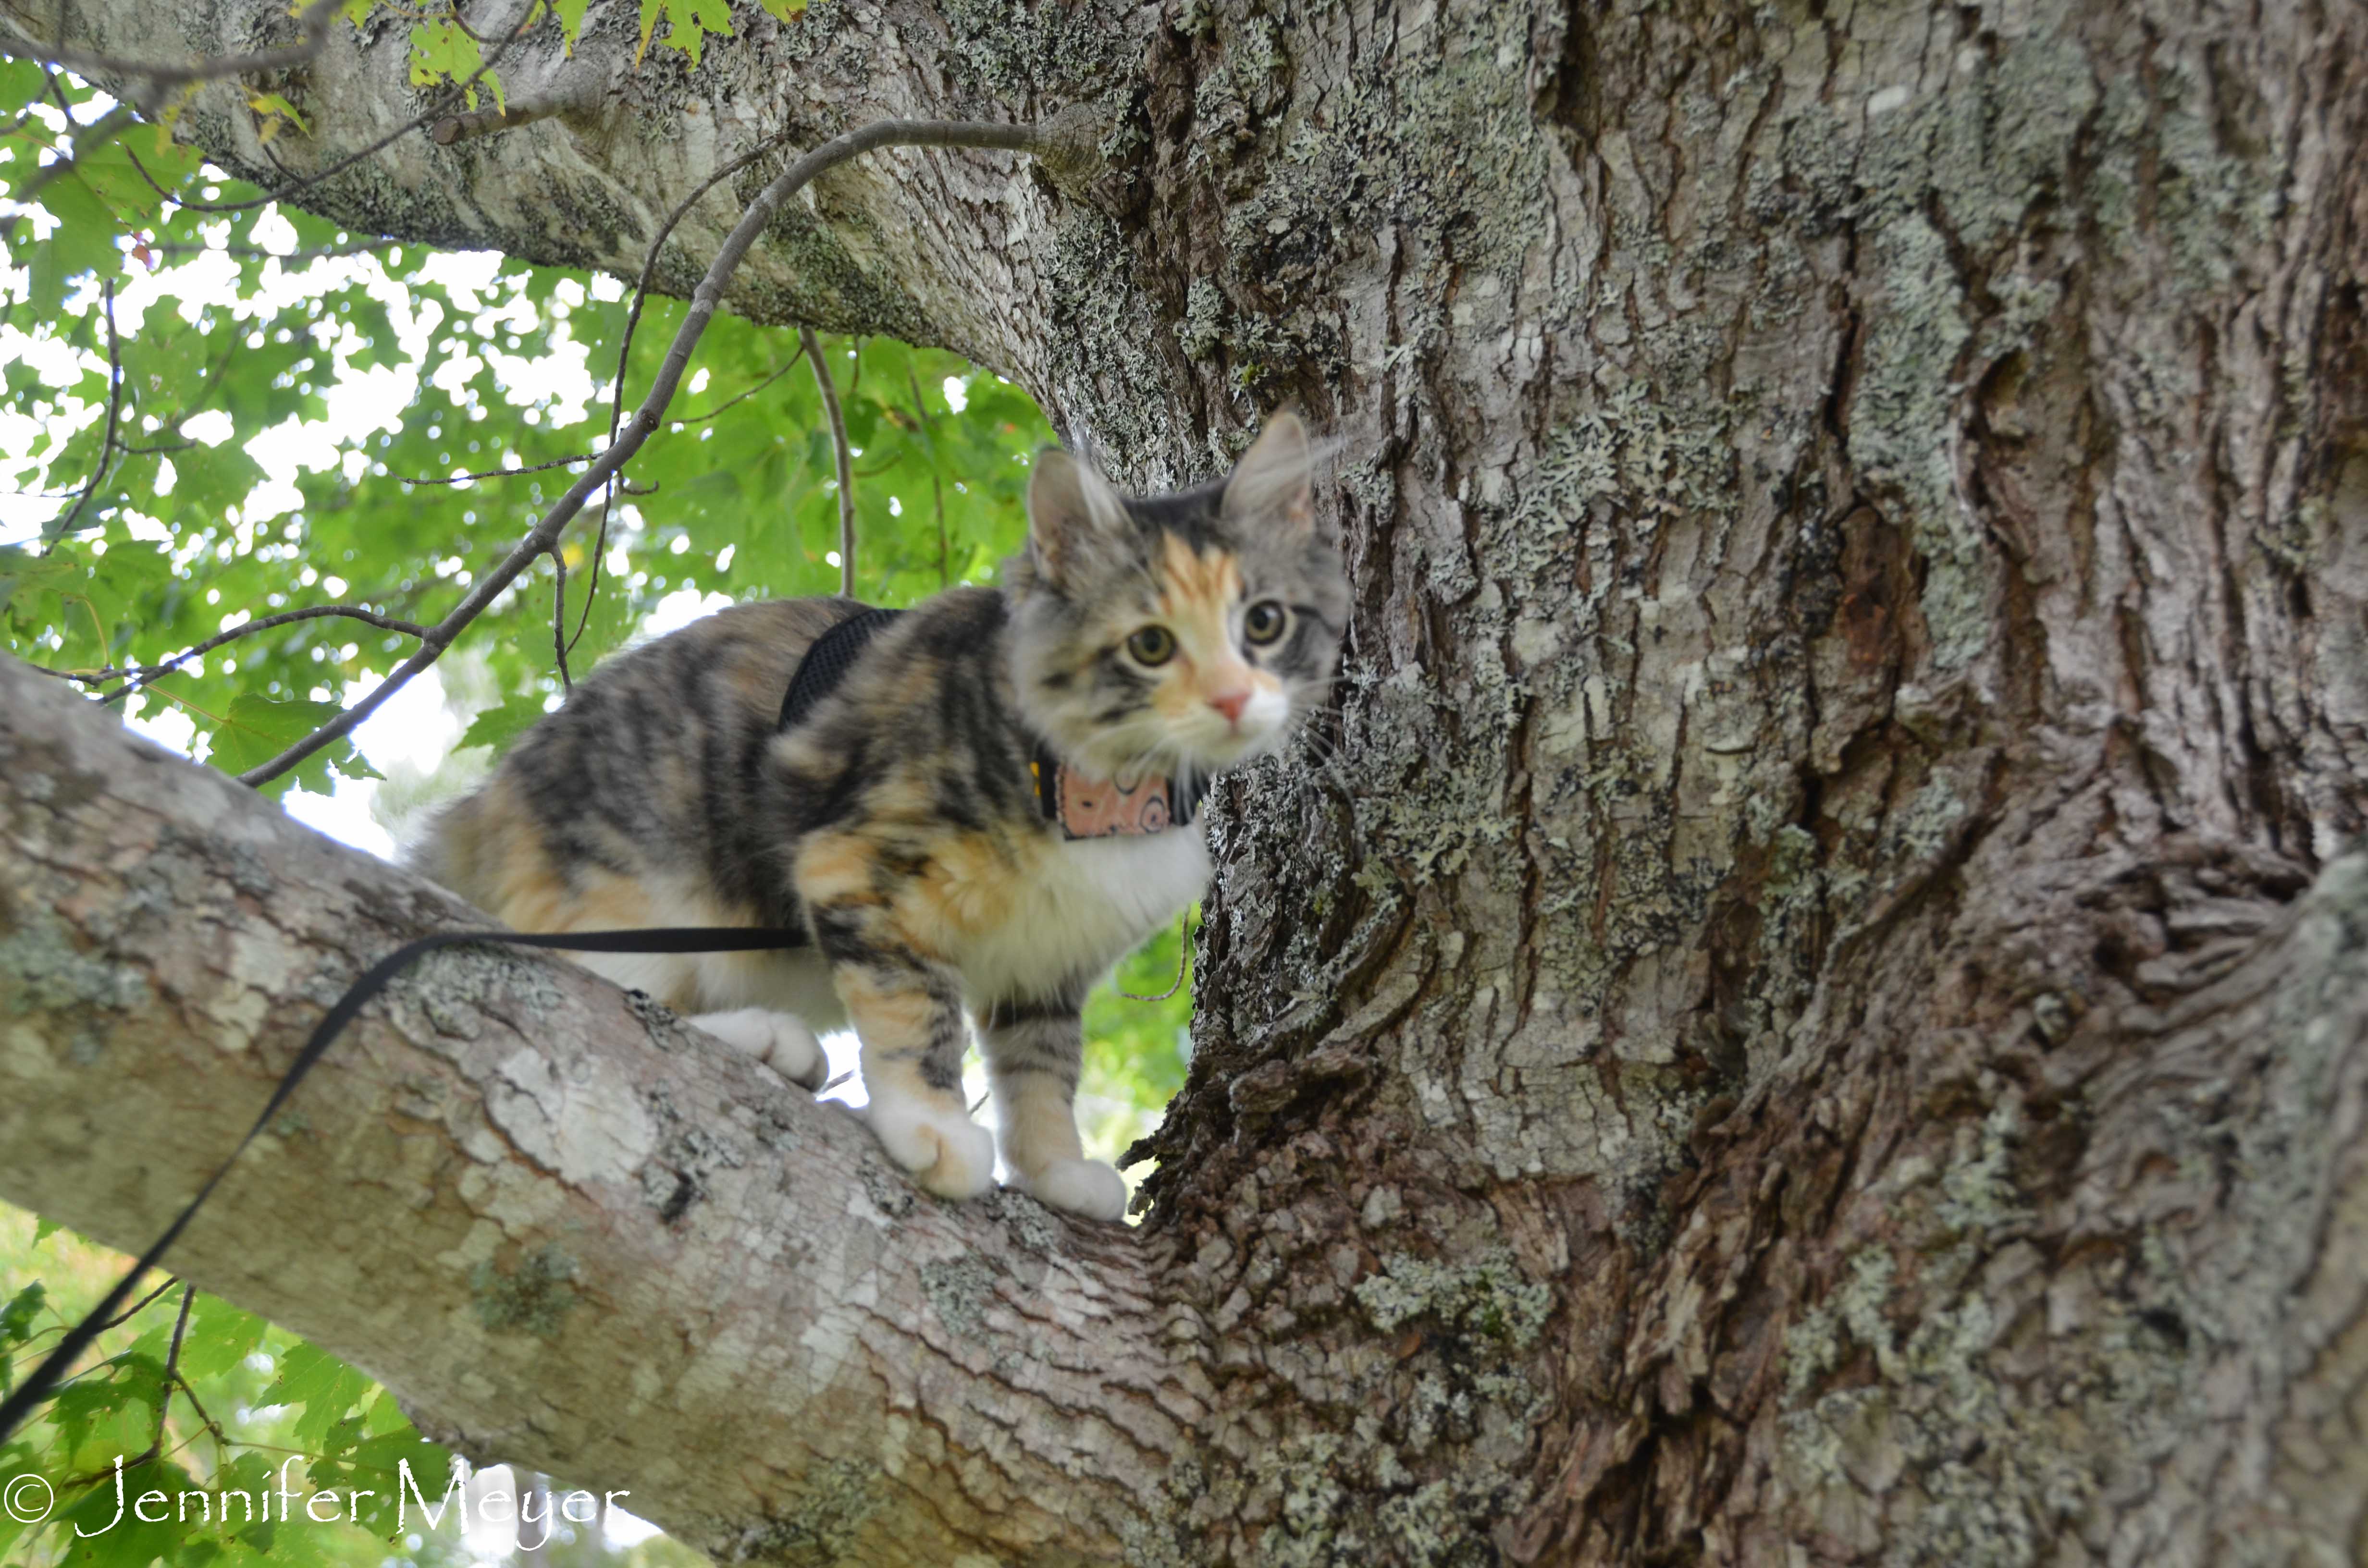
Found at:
<point>566,1229</point>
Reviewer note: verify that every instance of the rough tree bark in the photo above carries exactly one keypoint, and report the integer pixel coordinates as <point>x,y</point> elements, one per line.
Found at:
<point>1809,1004</point>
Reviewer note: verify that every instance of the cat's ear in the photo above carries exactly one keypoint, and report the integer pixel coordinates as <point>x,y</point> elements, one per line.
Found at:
<point>1072,512</point>
<point>1272,487</point>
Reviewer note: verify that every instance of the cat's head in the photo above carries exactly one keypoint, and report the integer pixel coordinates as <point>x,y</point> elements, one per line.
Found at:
<point>1176,633</point>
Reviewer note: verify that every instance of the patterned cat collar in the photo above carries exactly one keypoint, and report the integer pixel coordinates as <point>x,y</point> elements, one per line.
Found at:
<point>1079,804</point>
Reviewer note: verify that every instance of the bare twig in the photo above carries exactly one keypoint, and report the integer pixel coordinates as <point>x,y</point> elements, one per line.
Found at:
<point>487,121</point>
<point>786,366</point>
<point>1057,140</point>
<point>256,252</point>
<point>314,22</point>
<point>213,1427</point>
<point>99,469</point>
<point>1183,957</point>
<point>138,676</point>
<point>172,1375</point>
<point>127,1313</point>
<point>559,617</point>
<point>649,267</point>
<point>493,472</point>
<point>936,484</point>
<point>625,347</point>
<point>846,464</point>
<point>85,138</point>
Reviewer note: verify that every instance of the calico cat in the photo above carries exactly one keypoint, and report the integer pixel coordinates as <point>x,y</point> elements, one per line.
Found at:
<point>988,809</point>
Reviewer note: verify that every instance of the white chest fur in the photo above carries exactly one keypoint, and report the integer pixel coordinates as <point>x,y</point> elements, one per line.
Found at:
<point>1084,906</point>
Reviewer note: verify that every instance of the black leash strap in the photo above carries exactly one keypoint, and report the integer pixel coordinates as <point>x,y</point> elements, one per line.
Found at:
<point>664,940</point>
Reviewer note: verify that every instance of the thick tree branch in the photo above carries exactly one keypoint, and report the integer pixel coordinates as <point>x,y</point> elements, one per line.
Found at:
<point>566,1229</point>
<point>314,24</point>
<point>281,190</point>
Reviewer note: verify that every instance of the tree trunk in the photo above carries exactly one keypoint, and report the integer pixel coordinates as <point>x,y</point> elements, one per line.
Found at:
<point>1809,1004</point>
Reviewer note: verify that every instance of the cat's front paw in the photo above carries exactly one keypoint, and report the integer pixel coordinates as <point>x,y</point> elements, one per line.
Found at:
<point>948,1153</point>
<point>778,1039</point>
<point>1086,1188</point>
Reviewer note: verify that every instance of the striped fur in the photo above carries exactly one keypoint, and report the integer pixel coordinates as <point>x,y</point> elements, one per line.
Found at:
<point>898,821</point>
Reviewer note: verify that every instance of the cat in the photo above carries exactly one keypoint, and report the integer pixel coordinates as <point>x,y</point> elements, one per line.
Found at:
<point>991,807</point>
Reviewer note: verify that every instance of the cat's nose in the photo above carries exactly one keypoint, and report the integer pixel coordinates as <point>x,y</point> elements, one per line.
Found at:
<point>1231,703</point>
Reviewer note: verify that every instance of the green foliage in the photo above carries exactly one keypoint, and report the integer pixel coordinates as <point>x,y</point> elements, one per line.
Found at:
<point>1136,1051</point>
<point>442,50</point>
<point>239,1407</point>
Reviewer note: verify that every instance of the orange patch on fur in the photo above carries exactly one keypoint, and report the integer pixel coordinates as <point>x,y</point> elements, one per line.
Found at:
<point>886,1018</point>
<point>1202,589</point>
<point>834,867</point>
<point>1204,584</point>
<point>964,894</point>
<point>517,882</point>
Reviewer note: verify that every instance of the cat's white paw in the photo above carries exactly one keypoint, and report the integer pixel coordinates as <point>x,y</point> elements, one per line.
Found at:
<point>780,1039</point>
<point>948,1153</point>
<point>1086,1188</point>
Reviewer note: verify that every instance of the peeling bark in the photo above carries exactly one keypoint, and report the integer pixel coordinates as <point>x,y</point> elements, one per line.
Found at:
<point>1808,1006</point>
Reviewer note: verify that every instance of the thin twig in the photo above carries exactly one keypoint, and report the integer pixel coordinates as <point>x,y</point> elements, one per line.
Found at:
<point>625,349</point>
<point>256,252</point>
<point>212,1427</point>
<point>487,121</point>
<point>846,464</point>
<point>65,525</point>
<point>314,23</point>
<point>85,138</point>
<point>649,267</point>
<point>136,679</point>
<point>493,472</point>
<point>786,366</point>
<point>1183,954</point>
<point>1059,138</point>
<point>137,1307</point>
<point>559,617</point>
<point>936,484</point>
<point>172,1375</point>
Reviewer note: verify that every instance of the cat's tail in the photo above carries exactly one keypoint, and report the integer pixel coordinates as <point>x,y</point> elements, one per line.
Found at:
<point>452,848</point>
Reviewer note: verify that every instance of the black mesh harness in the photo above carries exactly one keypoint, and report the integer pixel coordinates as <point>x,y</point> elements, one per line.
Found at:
<point>836,652</point>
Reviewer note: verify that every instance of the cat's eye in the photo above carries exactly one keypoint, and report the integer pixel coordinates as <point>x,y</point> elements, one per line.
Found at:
<point>1152,645</point>
<point>1264,623</point>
